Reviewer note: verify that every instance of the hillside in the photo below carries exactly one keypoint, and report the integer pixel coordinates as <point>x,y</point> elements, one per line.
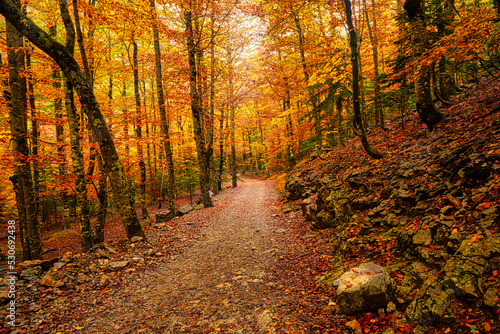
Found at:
<point>428,211</point>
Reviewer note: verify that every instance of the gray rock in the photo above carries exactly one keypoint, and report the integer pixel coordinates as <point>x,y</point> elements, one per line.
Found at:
<point>105,280</point>
<point>464,271</point>
<point>184,210</point>
<point>366,287</point>
<point>59,264</point>
<point>423,237</point>
<point>162,217</point>
<point>430,304</point>
<point>136,239</point>
<point>462,278</point>
<point>31,273</point>
<point>119,264</point>
<point>491,297</point>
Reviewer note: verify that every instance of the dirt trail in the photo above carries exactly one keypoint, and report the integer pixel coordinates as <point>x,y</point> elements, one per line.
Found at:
<point>221,283</point>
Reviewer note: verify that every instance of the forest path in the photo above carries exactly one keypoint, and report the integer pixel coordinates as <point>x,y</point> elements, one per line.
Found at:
<point>226,282</point>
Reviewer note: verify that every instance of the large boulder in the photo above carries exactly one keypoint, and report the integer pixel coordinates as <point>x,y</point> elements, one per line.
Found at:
<point>332,207</point>
<point>462,277</point>
<point>363,288</point>
<point>181,211</point>
<point>164,216</point>
<point>294,188</point>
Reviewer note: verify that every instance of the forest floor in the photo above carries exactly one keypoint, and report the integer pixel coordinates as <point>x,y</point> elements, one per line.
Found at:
<point>239,267</point>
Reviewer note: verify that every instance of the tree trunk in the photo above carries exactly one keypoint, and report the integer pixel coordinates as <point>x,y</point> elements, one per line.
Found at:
<point>312,98</point>
<point>102,195</point>
<point>211,120</point>
<point>82,207</point>
<point>61,156</point>
<point>427,112</point>
<point>379,113</point>
<point>35,134</point>
<point>32,247</point>
<point>73,72</point>
<point>138,132</point>
<point>447,86</point>
<point>163,116</point>
<point>196,110</point>
<point>221,149</point>
<point>358,120</point>
<point>232,111</point>
<point>103,203</point>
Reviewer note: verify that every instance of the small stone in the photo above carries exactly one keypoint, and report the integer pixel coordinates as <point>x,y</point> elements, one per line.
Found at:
<point>111,250</point>
<point>81,278</point>
<point>119,264</point>
<point>329,310</point>
<point>491,297</point>
<point>136,239</point>
<point>422,237</point>
<point>4,294</point>
<point>138,260</point>
<point>105,280</point>
<point>30,263</point>
<point>31,273</point>
<point>48,280</point>
<point>65,258</point>
<point>102,253</point>
<point>355,326</point>
<point>34,307</point>
<point>185,209</point>
<point>59,264</point>
<point>391,307</point>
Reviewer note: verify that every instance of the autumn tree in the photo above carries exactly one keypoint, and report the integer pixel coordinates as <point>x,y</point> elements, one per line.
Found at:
<point>82,208</point>
<point>165,127</point>
<point>90,106</point>
<point>358,121</point>
<point>22,179</point>
<point>426,109</point>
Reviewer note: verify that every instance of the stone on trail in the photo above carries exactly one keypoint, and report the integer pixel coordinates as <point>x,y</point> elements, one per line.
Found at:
<point>164,216</point>
<point>137,238</point>
<point>31,273</point>
<point>423,237</point>
<point>105,280</point>
<point>355,326</point>
<point>184,210</point>
<point>119,264</point>
<point>48,280</point>
<point>363,288</point>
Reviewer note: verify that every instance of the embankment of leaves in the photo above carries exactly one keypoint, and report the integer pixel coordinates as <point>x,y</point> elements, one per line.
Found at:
<point>429,211</point>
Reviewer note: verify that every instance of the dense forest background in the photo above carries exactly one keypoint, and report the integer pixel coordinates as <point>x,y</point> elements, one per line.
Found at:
<point>181,95</point>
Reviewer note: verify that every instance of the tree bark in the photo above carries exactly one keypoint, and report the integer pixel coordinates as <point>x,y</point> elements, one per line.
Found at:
<point>221,149</point>
<point>61,155</point>
<point>312,98</point>
<point>358,120</point>
<point>379,113</point>
<point>426,110</point>
<point>82,207</point>
<point>73,72</point>
<point>163,115</point>
<point>197,112</point>
<point>211,120</point>
<point>232,111</point>
<point>138,131</point>
<point>32,247</point>
<point>35,134</point>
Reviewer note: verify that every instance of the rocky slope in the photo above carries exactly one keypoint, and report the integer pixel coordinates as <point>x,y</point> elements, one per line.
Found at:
<point>429,211</point>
